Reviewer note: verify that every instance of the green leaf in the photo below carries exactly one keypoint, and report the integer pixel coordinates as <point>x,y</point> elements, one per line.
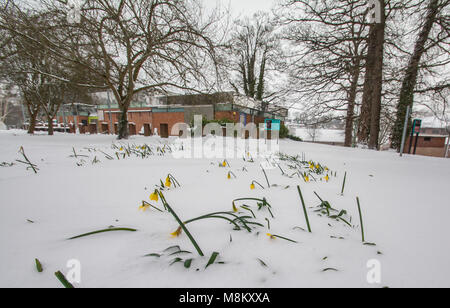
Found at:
<point>180,252</point>
<point>172,247</point>
<point>212,259</point>
<point>370,244</point>
<point>187,263</point>
<point>63,280</point>
<point>176,260</point>
<point>330,269</point>
<point>102,231</point>
<point>38,266</point>
<point>153,255</point>
<point>262,263</point>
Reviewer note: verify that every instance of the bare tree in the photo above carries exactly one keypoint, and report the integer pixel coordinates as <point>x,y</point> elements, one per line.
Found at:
<point>255,57</point>
<point>131,46</point>
<point>329,38</point>
<point>426,41</point>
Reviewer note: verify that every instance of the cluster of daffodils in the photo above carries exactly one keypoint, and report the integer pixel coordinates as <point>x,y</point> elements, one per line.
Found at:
<point>318,169</point>
<point>157,194</point>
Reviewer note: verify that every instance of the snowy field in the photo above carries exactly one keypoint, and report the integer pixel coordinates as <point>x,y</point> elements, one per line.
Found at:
<point>321,135</point>
<point>404,201</point>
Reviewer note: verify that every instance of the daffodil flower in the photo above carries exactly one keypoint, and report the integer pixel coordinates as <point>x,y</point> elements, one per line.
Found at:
<point>154,196</point>
<point>176,233</point>
<point>224,163</point>
<point>121,149</point>
<point>271,236</point>
<point>144,207</point>
<point>327,178</point>
<point>252,186</point>
<point>229,176</point>
<point>168,182</point>
<point>235,208</point>
<point>307,179</point>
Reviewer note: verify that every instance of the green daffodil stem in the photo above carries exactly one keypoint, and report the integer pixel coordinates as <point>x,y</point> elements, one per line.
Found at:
<point>360,219</point>
<point>304,209</point>
<point>255,182</point>
<point>343,184</point>
<point>267,179</point>
<point>182,225</point>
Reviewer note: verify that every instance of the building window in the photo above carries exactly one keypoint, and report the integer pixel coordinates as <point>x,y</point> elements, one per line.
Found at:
<point>427,139</point>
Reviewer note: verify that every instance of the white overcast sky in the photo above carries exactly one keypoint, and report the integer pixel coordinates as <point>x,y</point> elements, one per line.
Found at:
<point>242,7</point>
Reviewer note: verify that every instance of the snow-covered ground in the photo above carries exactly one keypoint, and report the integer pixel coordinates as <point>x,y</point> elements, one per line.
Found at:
<point>404,202</point>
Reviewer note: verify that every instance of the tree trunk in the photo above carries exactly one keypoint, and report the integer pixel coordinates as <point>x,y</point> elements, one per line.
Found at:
<point>32,113</point>
<point>351,104</point>
<point>50,126</point>
<point>369,125</point>
<point>366,108</point>
<point>123,124</point>
<point>410,80</point>
<point>32,127</point>
<point>378,82</point>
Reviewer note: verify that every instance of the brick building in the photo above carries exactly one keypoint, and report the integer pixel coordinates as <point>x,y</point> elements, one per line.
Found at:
<point>159,114</point>
<point>433,138</point>
<point>428,145</point>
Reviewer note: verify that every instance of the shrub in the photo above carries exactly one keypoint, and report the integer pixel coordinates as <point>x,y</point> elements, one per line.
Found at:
<point>284,131</point>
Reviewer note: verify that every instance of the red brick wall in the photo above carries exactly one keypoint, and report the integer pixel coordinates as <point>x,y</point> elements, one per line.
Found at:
<point>435,142</point>
<point>229,115</point>
<point>170,118</point>
<point>140,118</point>
<point>233,116</point>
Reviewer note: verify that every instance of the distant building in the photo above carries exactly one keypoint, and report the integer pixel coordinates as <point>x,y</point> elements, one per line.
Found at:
<point>158,114</point>
<point>433,138</point>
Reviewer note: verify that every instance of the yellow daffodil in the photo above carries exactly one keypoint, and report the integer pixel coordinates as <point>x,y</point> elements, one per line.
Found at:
<point>229,176</point>
<point>327,178</point>
<point>224,163</point>
<point>176,233</point>
<point>252,186</point>
<point>168,182</point>
<point>318,167</point>
<point>144,207</point>
<point>235,208</point>
<point>121,149</point>
<point>307,179</point>
<point>154,196</point>
<point>271,236</point>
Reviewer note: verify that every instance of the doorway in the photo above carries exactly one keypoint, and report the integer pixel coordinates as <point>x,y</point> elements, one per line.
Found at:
<point>164,130</point>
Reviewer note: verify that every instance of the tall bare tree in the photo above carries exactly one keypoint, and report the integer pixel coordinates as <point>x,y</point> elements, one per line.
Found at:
<point>131,46</point>
<point>255,57</point>
<point>329,39</point>
<point>426,41</point>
